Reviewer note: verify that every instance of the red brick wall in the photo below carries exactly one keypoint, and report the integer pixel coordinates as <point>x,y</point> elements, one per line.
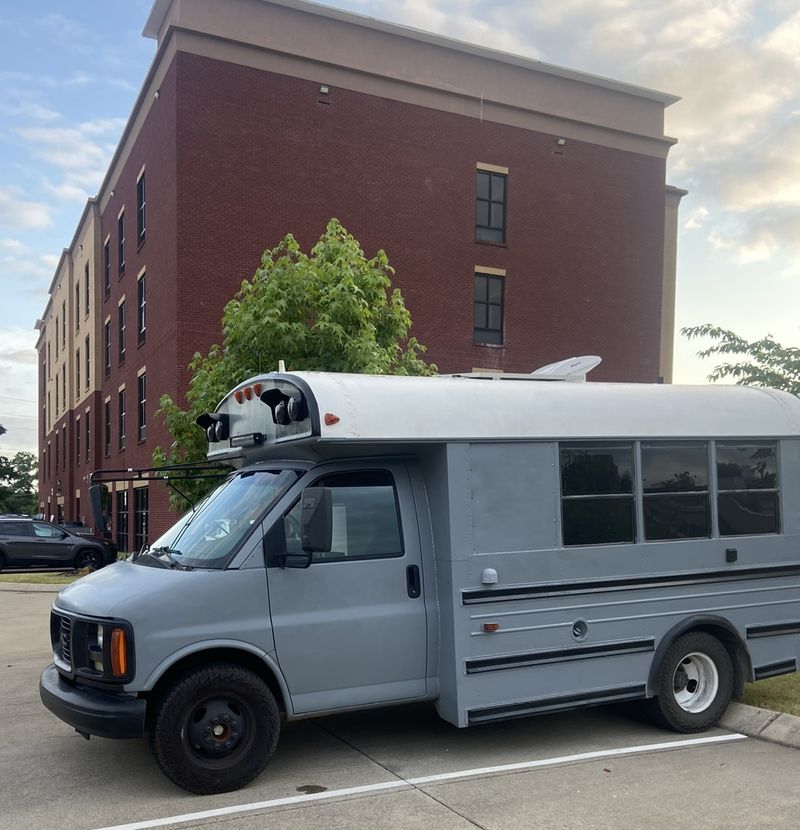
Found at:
<point>259,157</point>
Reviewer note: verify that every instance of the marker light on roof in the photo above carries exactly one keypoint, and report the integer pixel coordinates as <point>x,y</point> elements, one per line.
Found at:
<point>239,395</point>
<point>248,392</point>
<point>257,389</point>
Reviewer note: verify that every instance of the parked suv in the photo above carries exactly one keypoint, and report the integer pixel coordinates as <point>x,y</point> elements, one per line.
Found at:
<point>31,543</point>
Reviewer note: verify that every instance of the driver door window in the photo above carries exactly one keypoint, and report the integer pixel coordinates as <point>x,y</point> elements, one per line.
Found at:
<point>366,519</point>
<point>46,531</point>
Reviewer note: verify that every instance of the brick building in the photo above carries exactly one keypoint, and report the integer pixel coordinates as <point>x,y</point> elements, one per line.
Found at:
<point>523,206</point>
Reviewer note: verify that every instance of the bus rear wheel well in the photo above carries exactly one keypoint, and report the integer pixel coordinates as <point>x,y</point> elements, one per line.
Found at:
<point>723,631</point>
<point>218,655</point>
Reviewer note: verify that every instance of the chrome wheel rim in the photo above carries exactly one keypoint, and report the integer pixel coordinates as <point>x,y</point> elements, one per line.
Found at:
<point>695,682</point>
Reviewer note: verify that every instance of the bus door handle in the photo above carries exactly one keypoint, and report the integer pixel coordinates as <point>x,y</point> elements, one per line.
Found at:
<point>412,581</point>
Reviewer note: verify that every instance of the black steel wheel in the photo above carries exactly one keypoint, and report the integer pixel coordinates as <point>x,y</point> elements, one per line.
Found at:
<point>89,558</point>
<point>695,683</point>
<point>215,729</point>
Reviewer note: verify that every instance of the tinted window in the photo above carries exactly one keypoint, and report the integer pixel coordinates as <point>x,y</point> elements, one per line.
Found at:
<point>747,479</point>
<point>675,485</point>
<point>15,529</point>
<point>490,206</point>
<point>590,470</point>
<point>674,468</point>
<point>747,466</point>
<point>597,494</point>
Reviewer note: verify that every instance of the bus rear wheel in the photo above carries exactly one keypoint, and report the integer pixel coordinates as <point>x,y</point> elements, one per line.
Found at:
<point>215,729</point>
<point>694,685</point>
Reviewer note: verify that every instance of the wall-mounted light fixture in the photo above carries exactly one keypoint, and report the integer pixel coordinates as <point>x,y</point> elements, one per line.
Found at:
<point>157,94</point>
<point>324,90</point>
<point>561,141</point>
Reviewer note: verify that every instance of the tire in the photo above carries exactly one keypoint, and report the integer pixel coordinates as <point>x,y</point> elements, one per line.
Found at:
<point>89,558</point>
<point>695,683</point>
<point>2,561</point>
<point>223,698</point>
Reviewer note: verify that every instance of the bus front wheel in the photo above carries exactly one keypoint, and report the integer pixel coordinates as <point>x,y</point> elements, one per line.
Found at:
<point>215,729</point>
<point>694,685</point>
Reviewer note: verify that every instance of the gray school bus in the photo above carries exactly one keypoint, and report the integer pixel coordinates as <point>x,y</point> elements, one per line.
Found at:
<point>502,546</point>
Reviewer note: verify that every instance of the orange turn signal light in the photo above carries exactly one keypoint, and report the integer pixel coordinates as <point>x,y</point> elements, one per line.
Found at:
<point>119,653</point>
<point>489,627</point>
<point>331,419</point>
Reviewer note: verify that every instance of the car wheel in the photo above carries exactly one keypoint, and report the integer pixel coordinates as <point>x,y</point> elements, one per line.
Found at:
<point>89,558</point>
<point>2,561</point>
<point>695,683</point>
<point>215,729</point>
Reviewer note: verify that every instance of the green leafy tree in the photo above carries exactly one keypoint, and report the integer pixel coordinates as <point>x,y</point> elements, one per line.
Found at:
<point>18,483</point>
<point>762,362</point>
<point>330,310</point>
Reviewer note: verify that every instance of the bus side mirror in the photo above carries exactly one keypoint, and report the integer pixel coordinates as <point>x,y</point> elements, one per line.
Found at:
<point>316,519</point>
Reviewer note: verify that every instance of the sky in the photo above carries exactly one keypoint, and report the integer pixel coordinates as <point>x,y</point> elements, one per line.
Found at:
<point>70,73</point>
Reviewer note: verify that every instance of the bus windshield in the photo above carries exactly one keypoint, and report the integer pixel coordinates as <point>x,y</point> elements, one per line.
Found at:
<point>207,536</point>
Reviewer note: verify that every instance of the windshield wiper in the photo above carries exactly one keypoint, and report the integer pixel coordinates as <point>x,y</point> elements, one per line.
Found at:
<point>170,555</point>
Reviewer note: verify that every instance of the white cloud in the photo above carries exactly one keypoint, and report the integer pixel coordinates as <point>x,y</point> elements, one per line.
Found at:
<point>13,245</point>
<point>17,212</point>
<point>81,154</point>
<point>696,219</point>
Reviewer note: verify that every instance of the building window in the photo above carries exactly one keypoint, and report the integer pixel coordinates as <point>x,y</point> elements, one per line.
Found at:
<point>57,340</point>
<point>77,373</point>
<point>88,361</point>
<point>121,242</point>
<point>58,444</point>
<point>142,408</point>
<point>488,309</point>
<point>77,306</point>
<point>57,398</point>
<point>597,503</point>
<point>490,206</point>
<point>107,427</point>
<point>140,209</point>
<point>141,308</point>
<point>77,442</point>
<point>107,269</point>
<point>64,324</point>
<point>107,347</point>
<point>64,384</point>
<point>122,520</point>
<point>747,482</point>
<point>86,290</point>
<point>121,331</point>
<point>64,446</point>
<point>87,427</point>
<point>121,418</point>
<point>675,491</point>
<point>141,501</point>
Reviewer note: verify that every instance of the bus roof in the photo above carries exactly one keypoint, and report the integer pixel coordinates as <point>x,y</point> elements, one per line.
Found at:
<point>369,408</point>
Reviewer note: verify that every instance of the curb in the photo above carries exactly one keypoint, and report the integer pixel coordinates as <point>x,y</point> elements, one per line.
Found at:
<point>30,588</point>
<point>776,727</point>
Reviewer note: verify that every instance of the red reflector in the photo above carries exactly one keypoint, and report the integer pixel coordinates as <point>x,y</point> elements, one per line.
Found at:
<point>331,419</point>
<point>491,627</point>
<point>257,389</point>
<point>248,392</point>
<point>239,395</point>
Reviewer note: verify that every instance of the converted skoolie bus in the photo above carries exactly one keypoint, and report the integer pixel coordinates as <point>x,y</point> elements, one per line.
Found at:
<point>502,546</point>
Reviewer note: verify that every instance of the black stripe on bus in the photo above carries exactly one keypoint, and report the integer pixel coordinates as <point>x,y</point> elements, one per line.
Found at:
<point>561,655</point>
<point>773,629</point>
<point>518,592</point>
<point>554,704</point>
<point>774,669</point>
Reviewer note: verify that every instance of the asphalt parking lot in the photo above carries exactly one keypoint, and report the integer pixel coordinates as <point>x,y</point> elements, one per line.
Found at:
<point>396,768</point>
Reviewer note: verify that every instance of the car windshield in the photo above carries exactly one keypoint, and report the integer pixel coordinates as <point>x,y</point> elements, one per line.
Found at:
<point>206,536</point>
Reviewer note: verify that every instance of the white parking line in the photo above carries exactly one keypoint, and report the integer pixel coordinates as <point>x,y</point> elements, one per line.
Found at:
<point>402,783</point>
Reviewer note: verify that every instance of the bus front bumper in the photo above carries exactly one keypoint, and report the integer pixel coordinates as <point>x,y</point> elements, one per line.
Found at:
<point>92,712</point>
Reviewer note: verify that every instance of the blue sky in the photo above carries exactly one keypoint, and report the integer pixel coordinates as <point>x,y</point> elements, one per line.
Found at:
<point>70,73</point>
